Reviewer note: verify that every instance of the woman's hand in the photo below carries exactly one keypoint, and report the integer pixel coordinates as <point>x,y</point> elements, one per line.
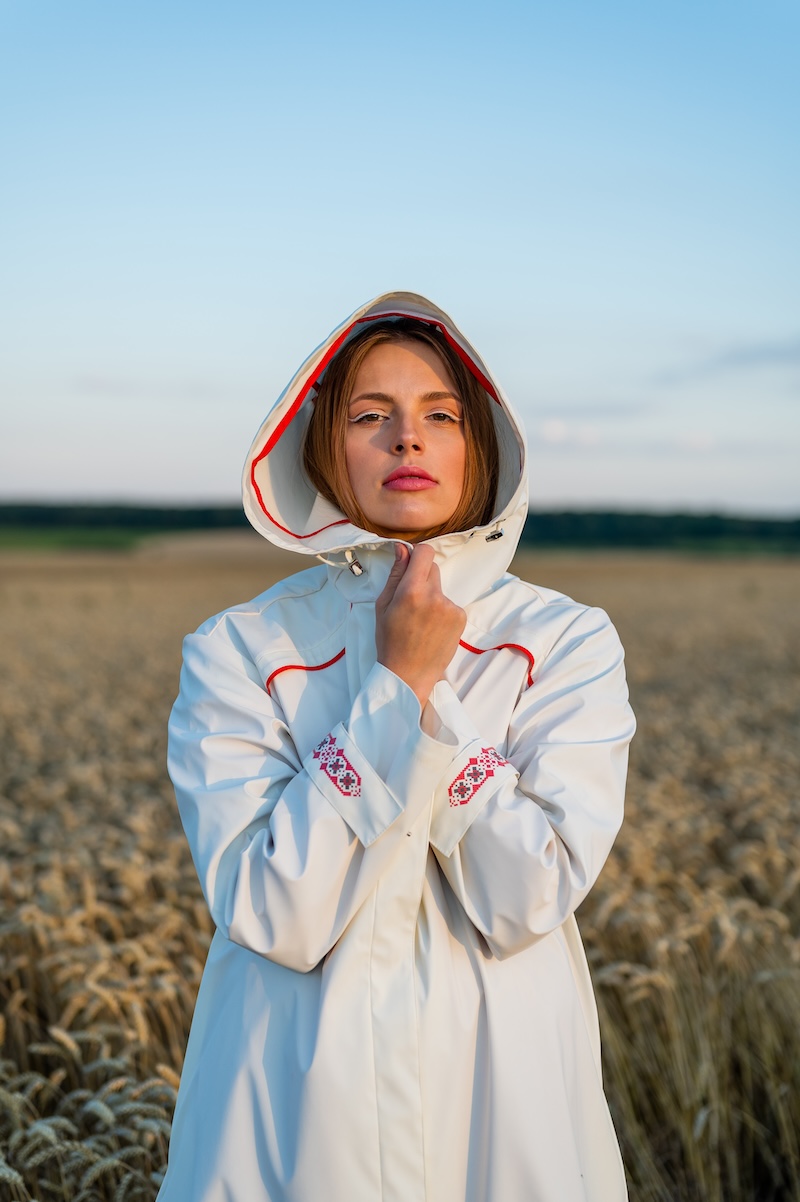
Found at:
<point>417,628</point>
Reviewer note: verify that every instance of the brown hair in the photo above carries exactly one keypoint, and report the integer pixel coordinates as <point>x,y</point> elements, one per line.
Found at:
<point>324,444</point>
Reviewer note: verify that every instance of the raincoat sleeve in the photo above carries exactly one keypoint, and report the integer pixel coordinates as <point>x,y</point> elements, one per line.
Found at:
<point>521,838</point>
<point>288,849</point>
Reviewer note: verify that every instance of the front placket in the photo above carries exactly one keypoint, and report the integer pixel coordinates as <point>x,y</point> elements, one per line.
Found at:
<point>395,1029</point>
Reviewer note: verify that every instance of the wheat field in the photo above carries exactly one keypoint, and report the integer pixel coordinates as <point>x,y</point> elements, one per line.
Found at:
<point>693,931</point>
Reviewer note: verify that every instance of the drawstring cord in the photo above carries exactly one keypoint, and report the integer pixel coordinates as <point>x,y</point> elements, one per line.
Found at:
<point>352,563</point>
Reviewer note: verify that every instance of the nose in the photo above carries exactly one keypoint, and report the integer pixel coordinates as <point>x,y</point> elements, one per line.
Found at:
<point>408,436</point>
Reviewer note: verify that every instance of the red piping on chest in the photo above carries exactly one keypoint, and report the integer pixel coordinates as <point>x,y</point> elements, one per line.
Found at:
<point>302,668</point>
<point>503,647</point>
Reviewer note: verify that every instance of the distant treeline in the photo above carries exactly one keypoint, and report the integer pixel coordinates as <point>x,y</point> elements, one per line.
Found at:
<point>679,531</point>
<point>699,531</point>
<point>159,519</point>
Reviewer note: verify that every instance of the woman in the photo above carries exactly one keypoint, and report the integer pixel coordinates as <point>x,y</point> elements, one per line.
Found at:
<point>399,772</point>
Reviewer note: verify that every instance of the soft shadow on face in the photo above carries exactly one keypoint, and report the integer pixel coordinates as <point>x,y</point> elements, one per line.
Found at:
<point>405,445</point>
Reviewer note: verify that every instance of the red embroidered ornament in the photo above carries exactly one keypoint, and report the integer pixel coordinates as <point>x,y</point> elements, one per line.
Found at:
<point>470,779</point>
<point>336,766</point>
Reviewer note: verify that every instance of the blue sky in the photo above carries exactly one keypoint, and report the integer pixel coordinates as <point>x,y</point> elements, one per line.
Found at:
<point>604,196</point>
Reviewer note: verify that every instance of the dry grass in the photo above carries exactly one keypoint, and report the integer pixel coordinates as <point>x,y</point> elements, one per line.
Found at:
<point>692,930</point>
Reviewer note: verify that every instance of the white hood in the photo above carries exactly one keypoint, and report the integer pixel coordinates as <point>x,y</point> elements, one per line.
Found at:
<point>284,507</point>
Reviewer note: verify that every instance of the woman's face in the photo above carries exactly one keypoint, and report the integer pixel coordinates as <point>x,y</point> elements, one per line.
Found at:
<point>405,446</point>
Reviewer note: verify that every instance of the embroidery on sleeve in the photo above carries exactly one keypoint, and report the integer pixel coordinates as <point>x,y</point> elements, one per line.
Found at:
<point>470,779</point>
<point>336,766</point>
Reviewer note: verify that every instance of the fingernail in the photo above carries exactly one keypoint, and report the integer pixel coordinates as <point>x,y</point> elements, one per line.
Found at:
<point>398,551</point>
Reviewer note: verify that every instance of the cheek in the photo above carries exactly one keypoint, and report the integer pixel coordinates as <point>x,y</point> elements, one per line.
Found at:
<point>350,464</point>
<point>355,457</point>
<point>459,464</point>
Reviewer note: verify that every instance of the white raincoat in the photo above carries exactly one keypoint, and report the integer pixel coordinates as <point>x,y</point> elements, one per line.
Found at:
<point>396,1005</point>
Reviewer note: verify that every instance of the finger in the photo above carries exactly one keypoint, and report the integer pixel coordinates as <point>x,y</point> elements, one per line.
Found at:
<point>398,570</point>
<point>435,577</point>
<point>420,563</point>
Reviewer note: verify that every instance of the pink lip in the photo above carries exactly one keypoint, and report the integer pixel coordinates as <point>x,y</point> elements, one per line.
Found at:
<point>409,479</point>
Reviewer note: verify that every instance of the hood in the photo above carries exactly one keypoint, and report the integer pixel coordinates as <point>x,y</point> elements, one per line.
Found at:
<point>285,508</point>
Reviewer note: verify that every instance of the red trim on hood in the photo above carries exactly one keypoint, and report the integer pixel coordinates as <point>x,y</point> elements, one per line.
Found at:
<point>504,647</point>
<point>302,668</point>
<point>311,382</point>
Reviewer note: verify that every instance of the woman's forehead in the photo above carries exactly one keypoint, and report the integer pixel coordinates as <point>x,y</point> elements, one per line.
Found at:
<point>406,362</point>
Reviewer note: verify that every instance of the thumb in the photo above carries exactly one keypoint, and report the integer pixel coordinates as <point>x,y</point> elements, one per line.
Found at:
<point>398,571</point>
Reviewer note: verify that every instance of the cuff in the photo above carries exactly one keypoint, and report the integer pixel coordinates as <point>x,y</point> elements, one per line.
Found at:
<point>473,775</point>
<point>382,764</point>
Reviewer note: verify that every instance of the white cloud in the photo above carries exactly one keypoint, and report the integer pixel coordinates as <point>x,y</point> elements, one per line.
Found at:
<point>695,440</point>
<point>555,432</point>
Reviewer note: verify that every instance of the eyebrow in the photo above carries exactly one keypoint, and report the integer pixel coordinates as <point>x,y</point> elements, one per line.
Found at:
<point>385,396</point>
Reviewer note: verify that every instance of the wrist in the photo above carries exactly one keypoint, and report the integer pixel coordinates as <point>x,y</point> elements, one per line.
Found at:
<point>421,686</point>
